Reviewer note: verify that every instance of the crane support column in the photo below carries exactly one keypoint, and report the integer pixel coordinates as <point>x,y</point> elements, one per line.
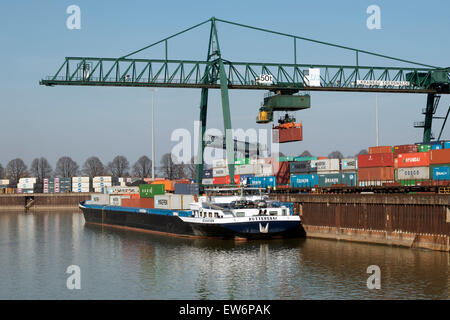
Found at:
<point>429,111</point>
<point>201,140</point>
<point>227,120</point>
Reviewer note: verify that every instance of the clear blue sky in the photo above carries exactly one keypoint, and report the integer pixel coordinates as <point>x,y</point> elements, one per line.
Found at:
<point>84,121</point>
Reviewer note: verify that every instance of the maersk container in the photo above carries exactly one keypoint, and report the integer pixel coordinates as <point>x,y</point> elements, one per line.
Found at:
<point>441,173</point>
<point>174,201</point>
<point>413,173</point>
<point>304,180</point>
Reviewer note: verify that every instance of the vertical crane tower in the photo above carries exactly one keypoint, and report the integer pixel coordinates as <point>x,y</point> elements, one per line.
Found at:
<point>286,79</point>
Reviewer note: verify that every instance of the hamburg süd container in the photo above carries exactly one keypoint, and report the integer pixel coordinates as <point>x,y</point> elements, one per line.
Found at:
<point>327,180</point>
<point>418,159</point>
<point>375,160</point>
<point>262,182</point>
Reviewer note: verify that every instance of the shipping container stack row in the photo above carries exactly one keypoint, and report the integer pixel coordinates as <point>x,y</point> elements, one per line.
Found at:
<point>146,196</point>
<point>57,185</point>
<point>5,187</point>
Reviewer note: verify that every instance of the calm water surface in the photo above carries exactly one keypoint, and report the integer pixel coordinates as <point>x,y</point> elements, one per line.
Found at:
<point>37,248</point>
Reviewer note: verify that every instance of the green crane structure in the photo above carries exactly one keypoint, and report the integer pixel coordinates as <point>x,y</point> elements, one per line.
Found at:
<point>215,72</point>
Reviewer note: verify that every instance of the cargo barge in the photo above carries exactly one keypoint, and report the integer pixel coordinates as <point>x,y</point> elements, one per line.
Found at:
<point>232,217</point>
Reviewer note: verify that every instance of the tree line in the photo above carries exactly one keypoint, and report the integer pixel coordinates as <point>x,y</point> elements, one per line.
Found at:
<point>66,167</point>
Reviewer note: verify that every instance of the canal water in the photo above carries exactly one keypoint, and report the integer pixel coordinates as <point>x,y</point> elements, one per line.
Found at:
<point>36,250</point>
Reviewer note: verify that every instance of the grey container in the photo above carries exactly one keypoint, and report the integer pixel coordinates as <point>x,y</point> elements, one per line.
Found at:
<point>186,188</point>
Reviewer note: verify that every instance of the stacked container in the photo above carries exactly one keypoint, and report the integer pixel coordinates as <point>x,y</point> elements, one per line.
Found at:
<point>413,167</point>
<point>80,184</point>
<point>100,183</point>
<point>57,185</point>
<point>26,185</point>
<point>440,163</point>
<point>174,201</point>
<point>375,169</point>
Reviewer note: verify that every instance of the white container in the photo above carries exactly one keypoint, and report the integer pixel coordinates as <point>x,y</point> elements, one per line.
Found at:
<point>267,170</point>
<point>116,200</point>
<point>100,199</point>
<point>244,169</point>
<point>219,163</point>
<point>122,190</point>
<point>174,201</point>
<point>101,184</point>
<point>349,164</point>
<point>414,173</point>
<point>102,179</point>
<point>220,172</point>
<point>4,182</point>
<point>86,189</point>
<point>80,179</point>
<point>325,165</point>
<point>29,185</point>
<point>27,180</point>
<point>207,181</point>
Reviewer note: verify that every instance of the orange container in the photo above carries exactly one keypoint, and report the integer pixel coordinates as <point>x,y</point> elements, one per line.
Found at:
<point>376,174</point>
<point>380,149</point>
<point>441,156</point>
<point>139,203</point>
<point>168,184</point>
<point>321,158</point>
<point>418,159</point>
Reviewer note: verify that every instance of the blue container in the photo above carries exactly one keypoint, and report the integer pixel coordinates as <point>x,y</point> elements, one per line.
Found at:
<point>441,173</point>
<point>244,178</point>
<point>304,180</point>
<point>447,145</point>
<point>436,147</point>
<point>262,182</point>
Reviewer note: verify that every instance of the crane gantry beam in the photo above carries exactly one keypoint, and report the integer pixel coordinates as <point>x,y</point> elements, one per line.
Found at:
<point>217,73</point>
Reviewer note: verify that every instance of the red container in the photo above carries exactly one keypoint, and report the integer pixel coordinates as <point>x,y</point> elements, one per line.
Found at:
<point>282,135</point>
<point>418,159</point>
<point>282,172</point>
<point>380,149</point>
<point>226,180</point>
<point>183,181</point>
<point>440,156</point>
<point>139,203</point>
<point>405,148</point>
<point>376,174</point>
<point>376,160</point>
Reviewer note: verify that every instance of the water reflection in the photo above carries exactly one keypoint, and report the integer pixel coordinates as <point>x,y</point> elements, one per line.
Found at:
<point>36,248</point>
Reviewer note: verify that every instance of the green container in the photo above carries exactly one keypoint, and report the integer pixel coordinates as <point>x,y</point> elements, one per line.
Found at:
<point>424,147</point>
<point>151,190</point>
<point>288,158</point>
<point>305,158</point>
<point>241,161</point>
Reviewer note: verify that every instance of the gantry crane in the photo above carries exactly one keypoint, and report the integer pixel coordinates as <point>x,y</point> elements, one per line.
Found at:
<point>284,78</point>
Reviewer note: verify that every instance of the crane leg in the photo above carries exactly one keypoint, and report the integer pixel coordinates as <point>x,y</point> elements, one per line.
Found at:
<point>429,111</point>
<point>227,120</point>
<point>201,140</point>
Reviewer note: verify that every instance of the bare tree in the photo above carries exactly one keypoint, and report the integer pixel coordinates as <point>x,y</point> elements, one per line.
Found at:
<point>171,168</point>
<point>93,167</point>
<point>16,169</point>
<point>191,169</point>
<point>336,155</point>
<point>66,168</point>
<point>119,166</point>
<point>142,168</point>
<point>363,151</point>
<point>41,169</point>
<point>306,153</point>
<point>2,172</point>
